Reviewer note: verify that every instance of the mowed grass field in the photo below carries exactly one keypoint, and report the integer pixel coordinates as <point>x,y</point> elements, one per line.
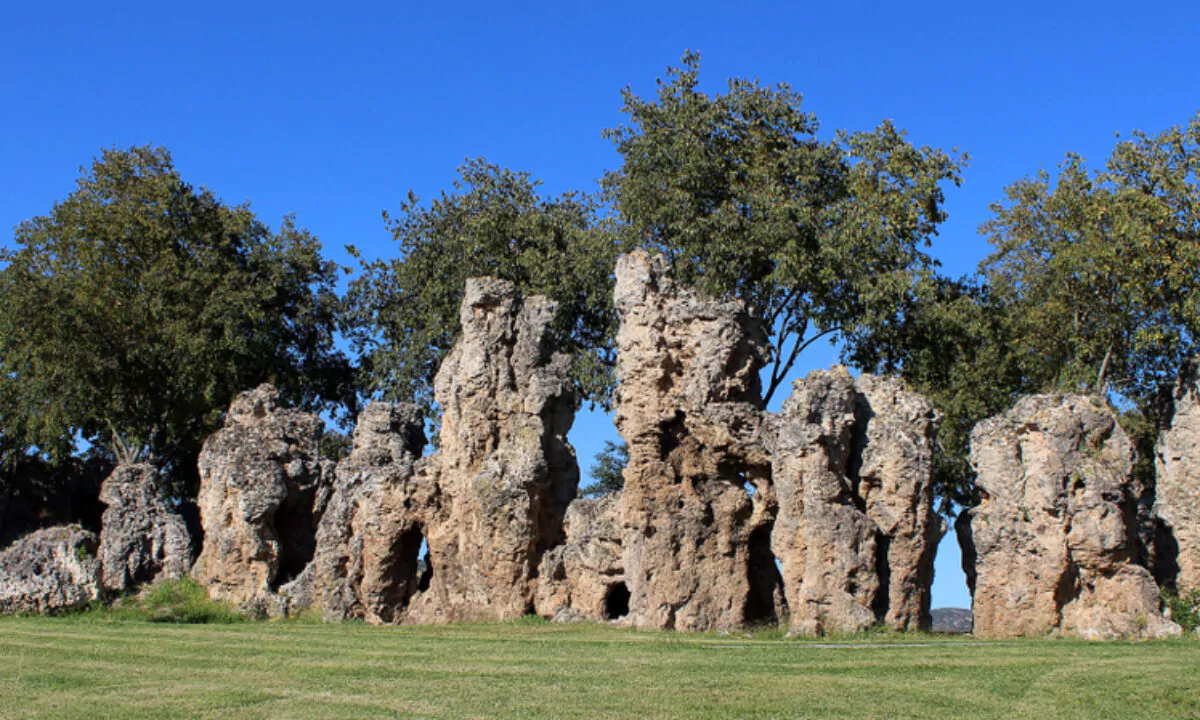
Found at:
<point>80,667</point>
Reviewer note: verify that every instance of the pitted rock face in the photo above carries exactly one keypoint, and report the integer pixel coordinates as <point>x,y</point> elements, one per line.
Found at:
<point>142,539</point>
<point>50,570</point>
<point>504,471</point>
<point>1054,537</point>
<point>689,407</point>
<point>584,577</point>
<point>856,530</point>
<point>1177,492</point>
<point>259,478</point>
<point>366,565</point>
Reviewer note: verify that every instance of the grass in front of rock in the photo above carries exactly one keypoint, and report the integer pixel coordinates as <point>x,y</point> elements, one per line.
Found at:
<point>94,666</point>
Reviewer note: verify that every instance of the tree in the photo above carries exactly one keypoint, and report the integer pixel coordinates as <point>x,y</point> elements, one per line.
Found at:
<point>134,311</point>
<point>822,237</point>
<point>953,344</point>
<point>1098,268</point>
<point>495,223</point>
<point>1089,290</point>
<point>608,469</point>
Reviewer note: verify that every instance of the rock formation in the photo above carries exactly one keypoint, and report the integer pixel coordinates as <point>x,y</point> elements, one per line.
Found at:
<point>142,538</point>
<point>366,561</point>
<point>259,480</point>
<point>1177,491</point>
<point>1054,536</point>
<point>504,471</point>
<point>856,530</point>
<point>695,540</point>
<point>584,577</point>
<point>50,570</point>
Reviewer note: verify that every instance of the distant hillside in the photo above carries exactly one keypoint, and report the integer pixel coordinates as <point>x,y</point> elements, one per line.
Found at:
<point>952,620</point>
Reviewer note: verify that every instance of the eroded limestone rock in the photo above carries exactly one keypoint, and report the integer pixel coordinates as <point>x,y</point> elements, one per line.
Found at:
<point>259,481</point>
<point>142,538</point>
<point>1054,537</point>
<point>695,542</point>
<point>504,471</point>
<point>856,530</point>
<point>584,577</point>
<point>50,570</point>
<point>366,561</point>
<point>1177,492</point>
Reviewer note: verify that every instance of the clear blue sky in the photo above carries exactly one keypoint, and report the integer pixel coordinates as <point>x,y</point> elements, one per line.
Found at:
<point>334,111</point>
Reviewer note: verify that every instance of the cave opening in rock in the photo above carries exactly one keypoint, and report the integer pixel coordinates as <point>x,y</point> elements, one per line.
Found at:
<point>616,601</point>
<point>766,601</point>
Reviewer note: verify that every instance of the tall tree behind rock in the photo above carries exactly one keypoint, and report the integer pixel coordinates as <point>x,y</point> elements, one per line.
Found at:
<point>405,310</point>
<point>134,311</point>
<point>821,238</point>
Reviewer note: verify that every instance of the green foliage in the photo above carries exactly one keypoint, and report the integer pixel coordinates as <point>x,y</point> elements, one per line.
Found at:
<point>822,237</point>
<point>495,223</point>
<point>134,311</point>
<point>1185,608</point>
<point>1088,291</point>
<point>608,470</point>
<point>1096,269</point>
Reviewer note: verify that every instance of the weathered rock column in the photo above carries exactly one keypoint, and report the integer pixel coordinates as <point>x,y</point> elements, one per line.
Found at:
<point>584,577</point>
<point>504,469</point>
<point>142,539</point>
<point>1177,491</point>
<point>695,544</point>
<point>259,477</point>
<point>366,564</point>
<point>1054,537</point>
<point>856,530</point>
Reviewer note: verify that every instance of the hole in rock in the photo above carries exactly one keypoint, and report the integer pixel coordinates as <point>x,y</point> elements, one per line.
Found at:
<point>616,601</point>
<point>673,432</point>
<point>766,601</point>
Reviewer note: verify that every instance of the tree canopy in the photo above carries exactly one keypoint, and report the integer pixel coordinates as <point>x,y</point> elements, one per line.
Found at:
<point>1089,289</point>
<point>134,311</point>
<point>405,309</point>
<point>823,237</point>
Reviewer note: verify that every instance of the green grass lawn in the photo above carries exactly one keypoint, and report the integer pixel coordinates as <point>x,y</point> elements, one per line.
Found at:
<point>89,667</point>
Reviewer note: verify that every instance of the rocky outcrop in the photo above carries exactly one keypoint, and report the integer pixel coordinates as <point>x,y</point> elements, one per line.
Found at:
<point>695,540</point>
<point>366,565</point>
<point>1054,536</point>
<point>260,477</point>
<point>50,570</point>
<point>142,538</point>
<point>584,577</point>
<point>504,471</point>
<point>856,530</point>
<point>1177,491</point>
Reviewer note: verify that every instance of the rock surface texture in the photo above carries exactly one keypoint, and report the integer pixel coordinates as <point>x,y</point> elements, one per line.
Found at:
<point>368,541</point>
<point>695,541</point>
<point>504,471</point>
<point>50,570</point>
<point>856,530</point>
<point>142,538</point>
<point>584,578</point>
<point>1055,535</point>
<point>1177,492</point>
<point>260,477</point>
